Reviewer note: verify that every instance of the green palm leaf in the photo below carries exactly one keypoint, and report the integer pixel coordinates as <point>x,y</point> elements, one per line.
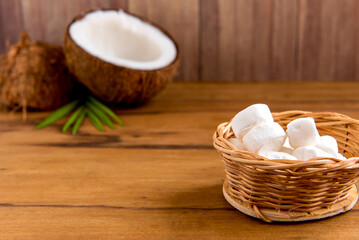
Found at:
<point>95,121</point>
<point>72,118</point>
<point>106,110</point>
<point>100,114</point>
<point>79,121</point>
<point>58,114</point>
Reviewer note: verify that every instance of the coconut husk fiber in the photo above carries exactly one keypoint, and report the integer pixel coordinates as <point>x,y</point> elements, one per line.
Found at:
<point>34,75</point>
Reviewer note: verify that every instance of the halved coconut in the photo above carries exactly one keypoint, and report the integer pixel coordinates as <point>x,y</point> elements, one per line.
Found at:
<point>120,57</point>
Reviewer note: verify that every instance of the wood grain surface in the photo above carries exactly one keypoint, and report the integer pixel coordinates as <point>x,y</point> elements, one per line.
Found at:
<point>180,18</point>
<point>230,40</point>
<point>11,23</point>
<point>156,178</point>
<point>256,40</point>
<point>328,40</point>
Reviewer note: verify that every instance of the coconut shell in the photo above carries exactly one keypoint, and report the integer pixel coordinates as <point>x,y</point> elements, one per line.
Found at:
<point>116,84</point>
<point>34,75</point>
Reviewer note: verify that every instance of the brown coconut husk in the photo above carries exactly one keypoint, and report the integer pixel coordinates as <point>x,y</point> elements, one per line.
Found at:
<point>116,84</point>
<point>34,75</point>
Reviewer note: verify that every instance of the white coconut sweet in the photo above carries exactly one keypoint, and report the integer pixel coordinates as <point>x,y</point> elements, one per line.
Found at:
<point>340,156</point>
<point>237,143</point>
<point>309,152</point>
<point>302,132</point>
<point>250,117</point>
<point>328,144</point>
<point>277,155</point>
<point>267,136</point>
<point>256,131</point>
<point>286,148</point>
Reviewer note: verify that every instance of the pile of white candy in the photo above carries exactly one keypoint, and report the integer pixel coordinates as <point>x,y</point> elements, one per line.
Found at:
<point>256,131</point>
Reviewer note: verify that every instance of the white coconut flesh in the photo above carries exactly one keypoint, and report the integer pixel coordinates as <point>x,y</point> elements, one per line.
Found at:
<point>123,40</point>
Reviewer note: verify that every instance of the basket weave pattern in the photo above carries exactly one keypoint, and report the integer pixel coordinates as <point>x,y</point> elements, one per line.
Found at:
<point>286,185</point>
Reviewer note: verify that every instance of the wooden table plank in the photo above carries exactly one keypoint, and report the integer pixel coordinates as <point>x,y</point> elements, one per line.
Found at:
<point>111,223</point>
<point>156,178</point>
<point>140,178</point>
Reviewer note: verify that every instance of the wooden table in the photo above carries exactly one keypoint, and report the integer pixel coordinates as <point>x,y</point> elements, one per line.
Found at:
<point>157,178</point>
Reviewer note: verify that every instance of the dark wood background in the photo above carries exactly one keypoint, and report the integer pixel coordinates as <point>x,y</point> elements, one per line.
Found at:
<point>227,40</point>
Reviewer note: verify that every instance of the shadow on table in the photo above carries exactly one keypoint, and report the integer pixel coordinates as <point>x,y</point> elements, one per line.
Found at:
<point>200,198</point>
<point>208,204</point>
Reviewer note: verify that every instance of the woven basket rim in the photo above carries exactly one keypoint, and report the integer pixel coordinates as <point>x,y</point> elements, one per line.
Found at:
<point>267,163</point>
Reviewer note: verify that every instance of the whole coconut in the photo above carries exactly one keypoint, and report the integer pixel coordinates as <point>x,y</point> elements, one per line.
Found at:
<point>34,75</point>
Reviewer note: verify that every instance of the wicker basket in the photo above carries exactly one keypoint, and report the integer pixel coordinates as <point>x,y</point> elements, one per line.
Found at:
<point>285,190</point>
